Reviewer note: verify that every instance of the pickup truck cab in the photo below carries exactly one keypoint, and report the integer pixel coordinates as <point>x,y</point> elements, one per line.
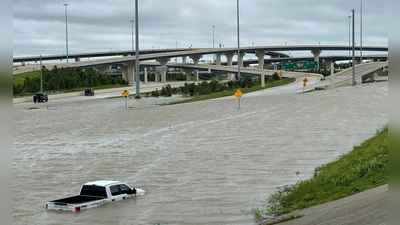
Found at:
<point>93,194</point>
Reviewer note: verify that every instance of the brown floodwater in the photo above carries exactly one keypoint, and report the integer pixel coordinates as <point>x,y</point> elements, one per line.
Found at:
<point>207,162</point>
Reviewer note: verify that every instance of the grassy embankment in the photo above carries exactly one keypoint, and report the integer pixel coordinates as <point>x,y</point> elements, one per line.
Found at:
<point>232,92</point>
<point>383,73</point>
<point>365,167</point>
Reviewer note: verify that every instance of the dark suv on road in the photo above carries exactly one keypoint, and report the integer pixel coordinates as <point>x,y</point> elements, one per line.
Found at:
<point>40,97</point>
<point>89,92</point>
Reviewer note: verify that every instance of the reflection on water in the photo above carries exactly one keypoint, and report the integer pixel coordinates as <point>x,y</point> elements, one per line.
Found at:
<point>200,163</point>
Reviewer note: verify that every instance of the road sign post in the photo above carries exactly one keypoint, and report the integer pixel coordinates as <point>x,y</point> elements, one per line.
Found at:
<point>305,80</point>
<point>238,95</point>
<point>125,94</point>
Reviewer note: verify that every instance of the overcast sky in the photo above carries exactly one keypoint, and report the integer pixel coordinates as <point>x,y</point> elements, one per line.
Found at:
<point>39,27</point>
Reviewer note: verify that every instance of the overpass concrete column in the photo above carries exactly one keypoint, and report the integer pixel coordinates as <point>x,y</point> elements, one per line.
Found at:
<point>330,64</point>
<point>131,72</point>
<point>316,54</point>
<point>23,63</point>
<point>163,62</point>
<point>275,65</point>
<point>184,59</point>
<point>77,59</point>
<point>102,69</point>
<point>218,76</point>
<point>218,59</point>
<point>124,70</point>
<point>188,72</point>
<point>196,58</point>
<point>229,57</point>
<point>145,75</point>
<point>262,77</point>
<point>156,76</point>
<point>196,75</point>
<point>242,54</point>
<point>260,55</point>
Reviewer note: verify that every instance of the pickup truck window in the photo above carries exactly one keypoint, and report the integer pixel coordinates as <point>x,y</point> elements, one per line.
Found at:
<point>120,189</point>
<point>125,189</point>
<point>94,191</point>
<point>114,190</point>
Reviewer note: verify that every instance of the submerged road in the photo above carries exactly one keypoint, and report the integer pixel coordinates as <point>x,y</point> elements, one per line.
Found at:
<point>206,162</point>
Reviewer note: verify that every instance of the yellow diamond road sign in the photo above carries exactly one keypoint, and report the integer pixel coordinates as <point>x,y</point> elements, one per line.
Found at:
<point>238,94</point>
<point>125,93</point>
<point>305,80</point>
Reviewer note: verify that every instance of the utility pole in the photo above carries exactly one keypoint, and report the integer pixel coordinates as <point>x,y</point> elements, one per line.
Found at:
<point>137,62</point>
<point>353,66</point>
<point>238,40</point>
<point>66,28</point>
<point>361,60</point>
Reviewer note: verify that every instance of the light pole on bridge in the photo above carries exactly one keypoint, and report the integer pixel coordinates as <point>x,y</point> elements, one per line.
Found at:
<point>213,42</point>
<point>238,38</point>
<point>132,34</point>
<point>66,28</point>
<point>349,32</point>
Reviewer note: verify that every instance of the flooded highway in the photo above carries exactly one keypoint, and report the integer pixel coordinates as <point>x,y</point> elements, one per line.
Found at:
<point>207,162</point>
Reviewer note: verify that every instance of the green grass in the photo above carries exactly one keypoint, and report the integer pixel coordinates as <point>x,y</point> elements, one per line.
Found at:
<point>365,167</point>
<point>19,78</point>
<point>383,73</point>
<point>232,92</point>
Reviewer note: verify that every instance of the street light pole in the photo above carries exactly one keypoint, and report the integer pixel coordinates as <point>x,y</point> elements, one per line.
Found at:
<point>353,64</point>
<point>238,40</point>
<point>213,42</point>
<point>137,62</point>
<point>41,76</point>
<point>132,34</point>
<point>66,28</point>
<point>361,31</point>
<point>349,32</point>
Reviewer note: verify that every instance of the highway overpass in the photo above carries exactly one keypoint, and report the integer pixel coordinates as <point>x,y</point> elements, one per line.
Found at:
<point>127,61</point>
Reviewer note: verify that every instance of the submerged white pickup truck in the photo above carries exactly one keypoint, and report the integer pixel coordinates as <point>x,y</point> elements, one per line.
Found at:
<point>93,194</point>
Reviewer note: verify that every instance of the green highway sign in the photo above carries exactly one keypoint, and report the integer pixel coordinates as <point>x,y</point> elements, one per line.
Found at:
<point>310,65</point>
<point>289,65</point>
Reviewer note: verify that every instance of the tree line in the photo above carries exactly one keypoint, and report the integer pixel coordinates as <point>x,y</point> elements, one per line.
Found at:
<point>209,87</point>
<point>66,78</point>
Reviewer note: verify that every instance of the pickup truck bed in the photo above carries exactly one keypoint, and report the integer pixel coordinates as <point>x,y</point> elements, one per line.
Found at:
<point>78,199</point>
